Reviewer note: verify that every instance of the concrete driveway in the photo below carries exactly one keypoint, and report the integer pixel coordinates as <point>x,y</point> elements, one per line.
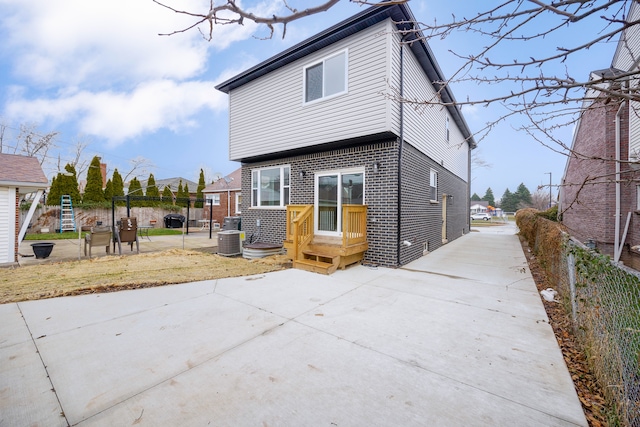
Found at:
<point>458,337</point>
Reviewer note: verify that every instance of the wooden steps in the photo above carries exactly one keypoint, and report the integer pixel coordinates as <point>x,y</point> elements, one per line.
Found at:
<point>315,266</point>
<point>325,257</point>
<point>323,253</point>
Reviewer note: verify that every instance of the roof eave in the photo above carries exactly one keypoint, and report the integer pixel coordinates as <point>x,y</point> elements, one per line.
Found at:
<point>22,186</point>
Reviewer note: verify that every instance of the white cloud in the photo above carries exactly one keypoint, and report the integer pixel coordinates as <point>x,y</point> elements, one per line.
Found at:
<point>118,116</point>
<point>98,42</point>
<point>102,66</point>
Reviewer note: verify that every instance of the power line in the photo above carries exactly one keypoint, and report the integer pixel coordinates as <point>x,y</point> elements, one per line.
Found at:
<point>59,157</point>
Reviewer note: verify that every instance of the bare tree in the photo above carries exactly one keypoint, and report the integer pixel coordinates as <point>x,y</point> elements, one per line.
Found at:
<point>546,87</point>
<point>230,12</point>
<point>28,140</point>
<point>139,167</point>
<point>80,160</point>
<point>3,129</point>
<point>478,162</point>
<point>32,143</point>
<point>540,200</point>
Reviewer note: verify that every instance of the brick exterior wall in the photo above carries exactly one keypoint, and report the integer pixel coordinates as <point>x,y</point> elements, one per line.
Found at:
<point>227,205</point>
<point>588,196</point>
<point>421,220</point>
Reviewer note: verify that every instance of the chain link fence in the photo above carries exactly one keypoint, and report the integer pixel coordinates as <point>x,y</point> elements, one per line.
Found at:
<point>603,299</point>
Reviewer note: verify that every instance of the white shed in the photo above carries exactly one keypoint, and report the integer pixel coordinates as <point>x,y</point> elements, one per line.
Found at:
<point>19,175</point>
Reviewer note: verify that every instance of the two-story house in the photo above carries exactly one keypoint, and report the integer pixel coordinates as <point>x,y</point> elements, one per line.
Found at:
<point>600,192</point>
<point>330,158</point>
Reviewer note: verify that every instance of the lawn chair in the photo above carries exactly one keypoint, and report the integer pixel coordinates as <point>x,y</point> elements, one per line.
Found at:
<point>126,232</point>
<point>99,236</point>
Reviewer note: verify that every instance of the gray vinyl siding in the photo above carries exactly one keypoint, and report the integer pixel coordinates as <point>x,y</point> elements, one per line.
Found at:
<point>425,125</point>
<point>268,115</point>
<point>626,59</point>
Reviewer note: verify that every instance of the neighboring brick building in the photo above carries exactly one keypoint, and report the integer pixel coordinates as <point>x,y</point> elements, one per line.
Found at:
<point>226,196</point>
<point>599,192</point>
<point>588,194</point>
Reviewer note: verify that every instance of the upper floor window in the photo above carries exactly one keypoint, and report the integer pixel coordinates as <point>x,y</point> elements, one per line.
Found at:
<point>447,127</point>
<point>326,78</point>
<point>270,186</point>
<point>433,184</point>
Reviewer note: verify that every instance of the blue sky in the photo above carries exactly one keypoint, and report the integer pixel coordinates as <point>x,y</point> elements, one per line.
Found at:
<point>97,72</point>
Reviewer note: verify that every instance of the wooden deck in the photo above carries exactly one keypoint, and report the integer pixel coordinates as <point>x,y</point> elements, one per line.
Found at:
<point>322,254</point>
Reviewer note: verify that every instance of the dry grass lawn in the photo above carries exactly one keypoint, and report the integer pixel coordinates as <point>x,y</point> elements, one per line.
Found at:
<point>113,273</point>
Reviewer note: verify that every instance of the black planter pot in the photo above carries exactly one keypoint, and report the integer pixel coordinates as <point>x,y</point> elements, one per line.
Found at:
<point>42,250</point>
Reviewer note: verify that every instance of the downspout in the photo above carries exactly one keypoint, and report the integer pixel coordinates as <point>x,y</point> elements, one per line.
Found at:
<point>228,202</point>
<point>617,242</point>
<point>401,144</point>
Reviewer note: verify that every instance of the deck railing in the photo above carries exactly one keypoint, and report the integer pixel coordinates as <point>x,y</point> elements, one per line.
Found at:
<point>354,225</point>
<point>300,224</point>
<point>299,227</point>
<point>292,213</point>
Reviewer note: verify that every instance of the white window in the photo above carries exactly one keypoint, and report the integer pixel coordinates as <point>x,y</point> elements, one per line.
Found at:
<point>270,186</point>
<point>215,199</point>
<point>238,203</point>
<point>326,78</point>
<point>433,186</point>
<point>447,127</point>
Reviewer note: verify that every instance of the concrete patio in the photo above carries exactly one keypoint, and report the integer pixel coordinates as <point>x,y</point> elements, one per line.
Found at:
<point>458,337</point>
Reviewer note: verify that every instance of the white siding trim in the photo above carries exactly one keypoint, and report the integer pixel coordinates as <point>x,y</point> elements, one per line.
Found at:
<point>389,72</point>
<point>7,224</point>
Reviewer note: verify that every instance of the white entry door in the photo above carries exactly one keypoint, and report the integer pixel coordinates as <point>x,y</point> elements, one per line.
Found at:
<point>332,190</point>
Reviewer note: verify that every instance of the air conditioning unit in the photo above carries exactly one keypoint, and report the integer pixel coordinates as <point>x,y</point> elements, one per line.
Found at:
<point>229,243</point>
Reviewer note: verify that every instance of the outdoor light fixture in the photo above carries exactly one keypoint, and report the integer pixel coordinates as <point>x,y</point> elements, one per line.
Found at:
<point>376,167</point>
<point>302,174</point>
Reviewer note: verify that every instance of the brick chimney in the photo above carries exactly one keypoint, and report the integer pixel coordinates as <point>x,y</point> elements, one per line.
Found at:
<point>103,171</point>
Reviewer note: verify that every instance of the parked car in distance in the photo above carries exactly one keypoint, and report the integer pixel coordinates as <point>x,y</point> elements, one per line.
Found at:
<point>484,216</point>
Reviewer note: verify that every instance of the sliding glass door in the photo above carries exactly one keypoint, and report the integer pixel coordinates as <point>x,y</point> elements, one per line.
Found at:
<point>332,190</point>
